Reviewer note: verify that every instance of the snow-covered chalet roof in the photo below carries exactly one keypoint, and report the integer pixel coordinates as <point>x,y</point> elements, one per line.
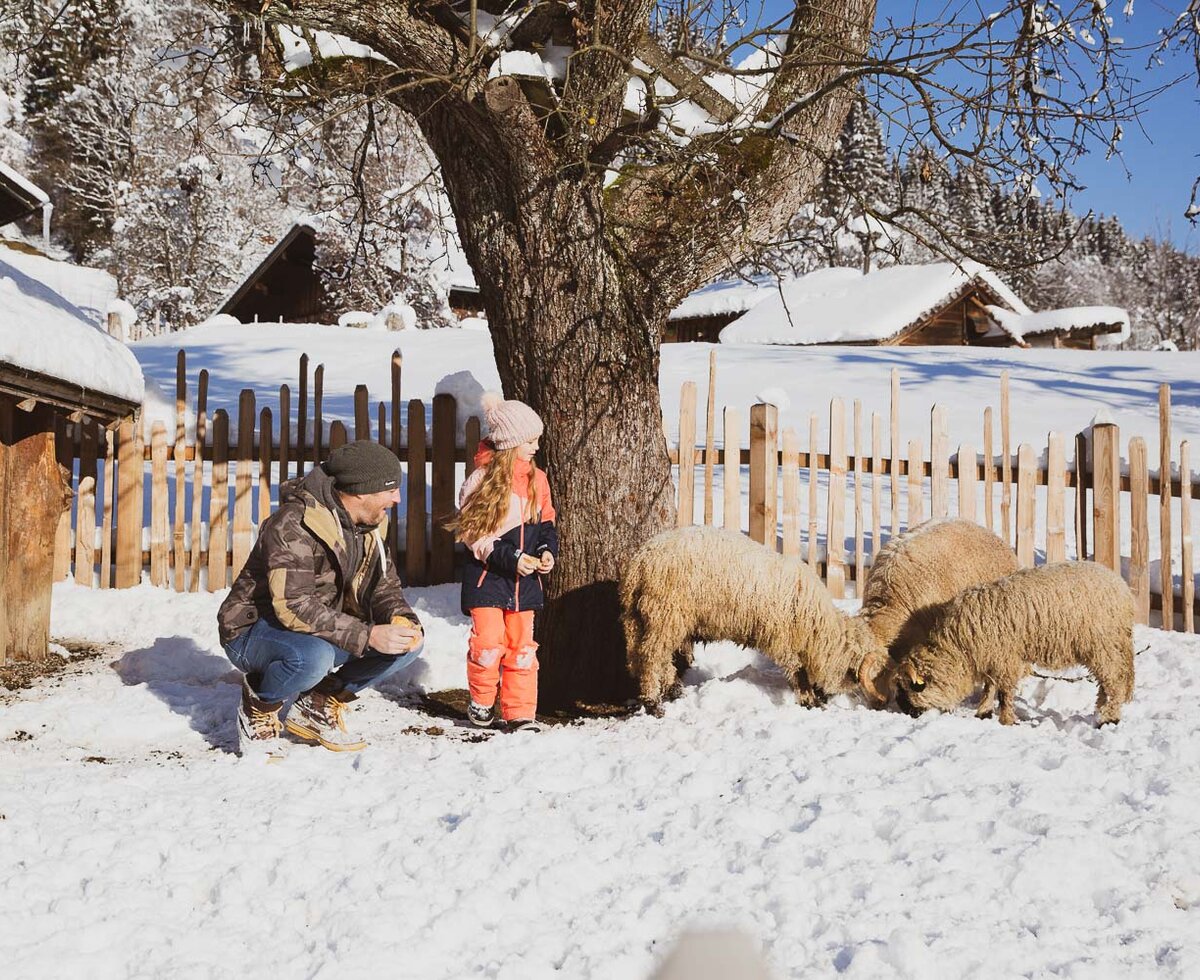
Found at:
<point>42,332</point>
<point>91,291</point>
<point>727,296</point>
<point>831,306</point>
<point>1109,324</point>
<point>18,195</point>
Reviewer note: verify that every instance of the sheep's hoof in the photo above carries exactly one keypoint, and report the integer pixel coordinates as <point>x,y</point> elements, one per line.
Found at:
<point>653,708</point>
<point>674,692</point>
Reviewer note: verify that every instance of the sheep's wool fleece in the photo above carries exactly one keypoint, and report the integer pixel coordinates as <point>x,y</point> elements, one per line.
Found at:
<point>916,572</point>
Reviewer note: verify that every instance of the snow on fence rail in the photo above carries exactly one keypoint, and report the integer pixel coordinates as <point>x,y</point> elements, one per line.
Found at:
<point>795,498</point>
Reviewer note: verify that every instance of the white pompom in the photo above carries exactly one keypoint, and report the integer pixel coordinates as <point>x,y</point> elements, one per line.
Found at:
<point>491,400</point>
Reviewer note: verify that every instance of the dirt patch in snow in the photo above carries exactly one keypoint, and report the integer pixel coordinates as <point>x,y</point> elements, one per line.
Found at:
<point>19,674</point>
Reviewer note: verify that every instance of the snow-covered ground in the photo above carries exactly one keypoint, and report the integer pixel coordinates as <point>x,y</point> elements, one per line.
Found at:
<point>846,841</point>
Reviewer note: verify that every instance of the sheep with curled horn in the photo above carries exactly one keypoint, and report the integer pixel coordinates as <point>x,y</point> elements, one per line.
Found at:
<point>909,583</point>
<point>705,584</point>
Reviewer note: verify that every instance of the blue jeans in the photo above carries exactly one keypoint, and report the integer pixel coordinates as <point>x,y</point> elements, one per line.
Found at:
<point>288,663</point>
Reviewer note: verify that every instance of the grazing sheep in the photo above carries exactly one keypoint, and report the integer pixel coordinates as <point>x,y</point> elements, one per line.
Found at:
<point>1055,616</point>
<point>912,578</point>
<point>706,584</point>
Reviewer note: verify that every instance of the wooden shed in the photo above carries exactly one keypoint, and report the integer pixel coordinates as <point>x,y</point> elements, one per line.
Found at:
<point>55,368</point>
<point>284,285</point>
<point>941,304</point>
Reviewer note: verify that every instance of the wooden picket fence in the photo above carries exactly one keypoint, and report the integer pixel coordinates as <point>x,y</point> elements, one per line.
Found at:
<point>189,482</point>
<point>1001,492</point>
<point>180,554</point>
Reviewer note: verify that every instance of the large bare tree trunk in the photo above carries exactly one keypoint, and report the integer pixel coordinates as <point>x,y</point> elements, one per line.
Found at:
<point>576,336</point>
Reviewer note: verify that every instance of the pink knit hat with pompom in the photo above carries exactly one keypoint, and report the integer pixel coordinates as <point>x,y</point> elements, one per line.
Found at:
<point>510,423</point>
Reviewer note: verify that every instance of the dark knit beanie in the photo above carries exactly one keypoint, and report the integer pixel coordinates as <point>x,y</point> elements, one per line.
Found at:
<point>363,467</point>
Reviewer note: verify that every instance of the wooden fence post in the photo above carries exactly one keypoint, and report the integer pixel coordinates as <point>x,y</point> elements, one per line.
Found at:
<point>894,453</point>
<point>445,435</point>
<point>362,413</point>
<point>64,454</point>
<point>414,558</point>
<point>1056,498</point>
<point>685,508</point>
<point>1082,510</point>
<point>835,527</point>
<point>1187,598</point>
<point>198,479</point>
<point>337,435</point>
<point>710,423</point>
<point>266,445</point>
<point>939,463</point>
<point>1005,462</point>
<point>1106,498</point>
<point>218,504</point>
<point>813,499</point>
<point>129,515</point>
<point>85,540</point>
<point>764,473</point>
<point>243,483</point>
<point>285,433</point>
<point>397,432</point>
<point>731,471</point>
<point>178,539</point>
<point>1166,551</point>
<point>109,509</point>
<point>859,559</point>
<point>302,417</point>
<point>916,481</point>
<point>85,532</point>
<point>989,479</point>
<point>1139,527</point>
<point>1026,504</point>
<point>966,481</point>
<point>159,556</point>
<point>318,420</point>
<point>791,493</point>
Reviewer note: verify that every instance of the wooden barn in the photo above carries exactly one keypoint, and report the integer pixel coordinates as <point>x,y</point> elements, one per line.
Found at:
<point>941,304</point>
<point>286,286</point>
<point>55,368</point>
<point>710,309</point>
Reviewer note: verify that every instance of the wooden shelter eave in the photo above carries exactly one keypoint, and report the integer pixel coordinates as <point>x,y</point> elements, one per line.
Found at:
<point>24,384</point>
<point>269,259</point>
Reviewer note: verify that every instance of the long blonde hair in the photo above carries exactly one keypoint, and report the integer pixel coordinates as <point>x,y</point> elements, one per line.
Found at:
<point>483,511</point>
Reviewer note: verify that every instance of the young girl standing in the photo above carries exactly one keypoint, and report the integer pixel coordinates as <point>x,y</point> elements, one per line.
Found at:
<point>506,520</point>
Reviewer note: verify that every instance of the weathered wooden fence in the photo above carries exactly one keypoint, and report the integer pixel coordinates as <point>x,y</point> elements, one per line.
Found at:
<point>1109,493</point>
<point>208,494</point>
<point>833,504</point>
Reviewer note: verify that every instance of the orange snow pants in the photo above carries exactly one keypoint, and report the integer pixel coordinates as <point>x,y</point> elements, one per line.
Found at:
<point>502,638</point>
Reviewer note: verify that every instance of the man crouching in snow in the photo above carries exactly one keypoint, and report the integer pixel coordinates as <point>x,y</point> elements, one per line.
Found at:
<point>317,613</point>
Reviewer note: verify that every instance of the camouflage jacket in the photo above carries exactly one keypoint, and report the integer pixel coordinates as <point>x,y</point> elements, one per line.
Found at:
<point>313,571</point>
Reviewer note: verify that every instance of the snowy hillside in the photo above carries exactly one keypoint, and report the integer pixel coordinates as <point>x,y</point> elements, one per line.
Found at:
<point>846,841</point>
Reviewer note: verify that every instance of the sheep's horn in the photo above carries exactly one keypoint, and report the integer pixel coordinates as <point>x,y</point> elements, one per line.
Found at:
<point>871,669</point>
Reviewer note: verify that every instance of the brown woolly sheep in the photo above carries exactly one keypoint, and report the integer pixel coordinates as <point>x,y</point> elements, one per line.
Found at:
<point>1054,616</point>
<point>706,584</point>
<point>914,575</point>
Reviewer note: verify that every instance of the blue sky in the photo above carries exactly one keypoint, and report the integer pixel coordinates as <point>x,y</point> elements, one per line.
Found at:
<point>1150,187</point>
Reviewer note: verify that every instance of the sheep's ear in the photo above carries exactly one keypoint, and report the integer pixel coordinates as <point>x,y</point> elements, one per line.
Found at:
<point>873,666</point>
<point>915,680</point>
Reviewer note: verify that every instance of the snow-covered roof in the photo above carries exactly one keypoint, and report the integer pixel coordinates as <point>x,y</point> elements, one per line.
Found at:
<point>831,306</point>
<point>43,332</point>
<point>91,291</point>
<point>1109,323</point>
<point>726,296</point>
<point>23,183</point>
